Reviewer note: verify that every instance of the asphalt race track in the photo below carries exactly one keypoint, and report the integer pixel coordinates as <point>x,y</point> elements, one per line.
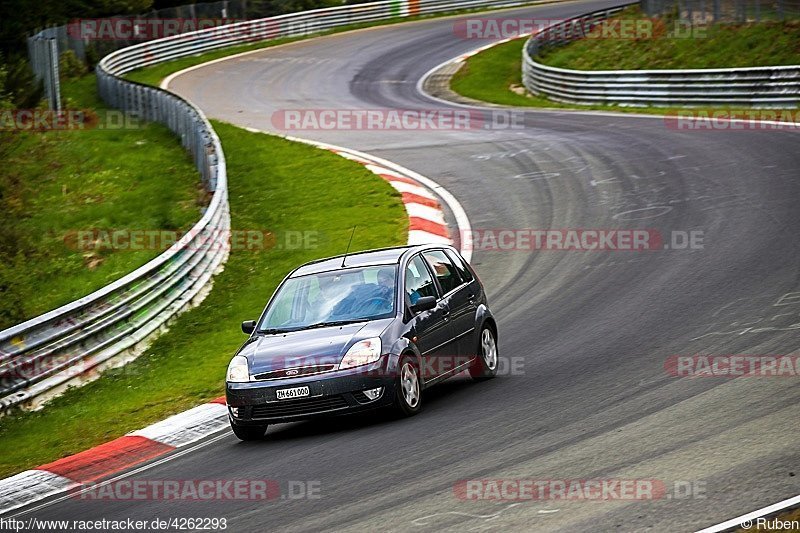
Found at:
<point>590,332</point>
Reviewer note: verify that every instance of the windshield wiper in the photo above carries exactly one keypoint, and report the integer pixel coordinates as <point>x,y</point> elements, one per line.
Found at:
<point>274,331</point>
<point>334,323</point>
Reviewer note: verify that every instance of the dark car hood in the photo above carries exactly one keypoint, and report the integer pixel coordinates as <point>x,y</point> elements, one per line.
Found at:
<point>307,348</point>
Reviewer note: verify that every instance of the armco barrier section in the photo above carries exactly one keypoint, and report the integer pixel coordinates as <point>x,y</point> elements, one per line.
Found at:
<point>761,87</point>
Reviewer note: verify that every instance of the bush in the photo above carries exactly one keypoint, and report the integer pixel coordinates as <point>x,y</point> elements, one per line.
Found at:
<point>70,67</point>
<point>21,86</point>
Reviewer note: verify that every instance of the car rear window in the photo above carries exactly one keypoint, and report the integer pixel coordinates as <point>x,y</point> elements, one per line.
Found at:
<point>446,273</point>
<point>461,266</point>
<point>419,282</point>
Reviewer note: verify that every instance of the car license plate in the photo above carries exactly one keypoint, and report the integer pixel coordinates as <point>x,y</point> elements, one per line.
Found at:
<point>297,392</point>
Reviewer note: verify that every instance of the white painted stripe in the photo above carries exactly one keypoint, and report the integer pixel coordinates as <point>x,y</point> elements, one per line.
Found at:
<point>402,187</point>
<point>428,213</point>
<point>129,473</point>
<point>382,170</point>
<point>737,522</point>
<point>187,427</point>
<point>416,236</point>
<point>30,486</point>
<point>354,158</point>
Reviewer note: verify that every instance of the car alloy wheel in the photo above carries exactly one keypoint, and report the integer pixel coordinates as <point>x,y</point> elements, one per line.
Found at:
<point>485,365</point>
<point>408,398</point>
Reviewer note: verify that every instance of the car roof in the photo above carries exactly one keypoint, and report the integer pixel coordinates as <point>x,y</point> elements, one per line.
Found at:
<point>381,256</point>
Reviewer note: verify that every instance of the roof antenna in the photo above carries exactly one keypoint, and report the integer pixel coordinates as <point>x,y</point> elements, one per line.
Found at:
<point>348,246</point>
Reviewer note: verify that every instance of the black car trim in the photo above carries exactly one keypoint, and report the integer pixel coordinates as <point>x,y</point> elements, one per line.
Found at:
<point>299,407</point>
<point>445,375</point>
<point>438,346</point>
<point>470,330</point>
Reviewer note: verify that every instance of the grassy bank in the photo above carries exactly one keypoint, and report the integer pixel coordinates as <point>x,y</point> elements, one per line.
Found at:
<point>55,183</point>
<point>275,185</point>
<point>718,46</point>
<point>495,76</point>
<point>490,75</point>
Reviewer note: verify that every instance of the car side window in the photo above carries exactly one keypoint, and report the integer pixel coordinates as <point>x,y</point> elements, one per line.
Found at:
<point>419,282</point>
<point>446,273</point>
<point>461,266</point>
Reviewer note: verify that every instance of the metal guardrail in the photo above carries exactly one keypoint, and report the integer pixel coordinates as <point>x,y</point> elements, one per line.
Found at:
<point>72,344</point>
<point>43,55</point>
<point>760,87</point>
<point>69,345</point>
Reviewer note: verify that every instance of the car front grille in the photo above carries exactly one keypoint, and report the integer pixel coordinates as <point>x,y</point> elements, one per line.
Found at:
<point>303,406</point>
<point>297,372</point>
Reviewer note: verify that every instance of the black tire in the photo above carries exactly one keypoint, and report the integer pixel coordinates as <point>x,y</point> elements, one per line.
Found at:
<point>485,365</point>
<point>406,401</point>
<point>249,432</point>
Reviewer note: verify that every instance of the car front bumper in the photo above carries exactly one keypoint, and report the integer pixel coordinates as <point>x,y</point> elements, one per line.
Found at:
<point>337,392</point>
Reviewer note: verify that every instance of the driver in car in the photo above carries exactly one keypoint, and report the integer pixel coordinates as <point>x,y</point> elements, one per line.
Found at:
<point>386,283</point>
<point>368,298</point>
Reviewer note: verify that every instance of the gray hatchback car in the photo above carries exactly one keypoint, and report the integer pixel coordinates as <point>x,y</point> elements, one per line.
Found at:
<point>361,331</point>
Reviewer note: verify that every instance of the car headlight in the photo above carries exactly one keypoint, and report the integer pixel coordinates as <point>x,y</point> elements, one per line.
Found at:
<point>362,353</point>
<point>238,371</point>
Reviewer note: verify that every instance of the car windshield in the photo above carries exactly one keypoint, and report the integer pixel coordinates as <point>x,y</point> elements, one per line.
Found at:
<point>331,298</point>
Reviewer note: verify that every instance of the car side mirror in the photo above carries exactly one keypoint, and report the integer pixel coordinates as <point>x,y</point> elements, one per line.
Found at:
<point>248,326</point>
<point>425,303</point>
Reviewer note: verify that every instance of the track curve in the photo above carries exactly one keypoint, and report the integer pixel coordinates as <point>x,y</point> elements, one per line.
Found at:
<point>594,328</point>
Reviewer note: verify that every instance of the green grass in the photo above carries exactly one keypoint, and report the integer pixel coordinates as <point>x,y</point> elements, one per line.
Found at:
<point>55,183</point>
<point>490,76</point>
<point>718,46</point>
<point>495,76</point>
<point>275,185</point>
